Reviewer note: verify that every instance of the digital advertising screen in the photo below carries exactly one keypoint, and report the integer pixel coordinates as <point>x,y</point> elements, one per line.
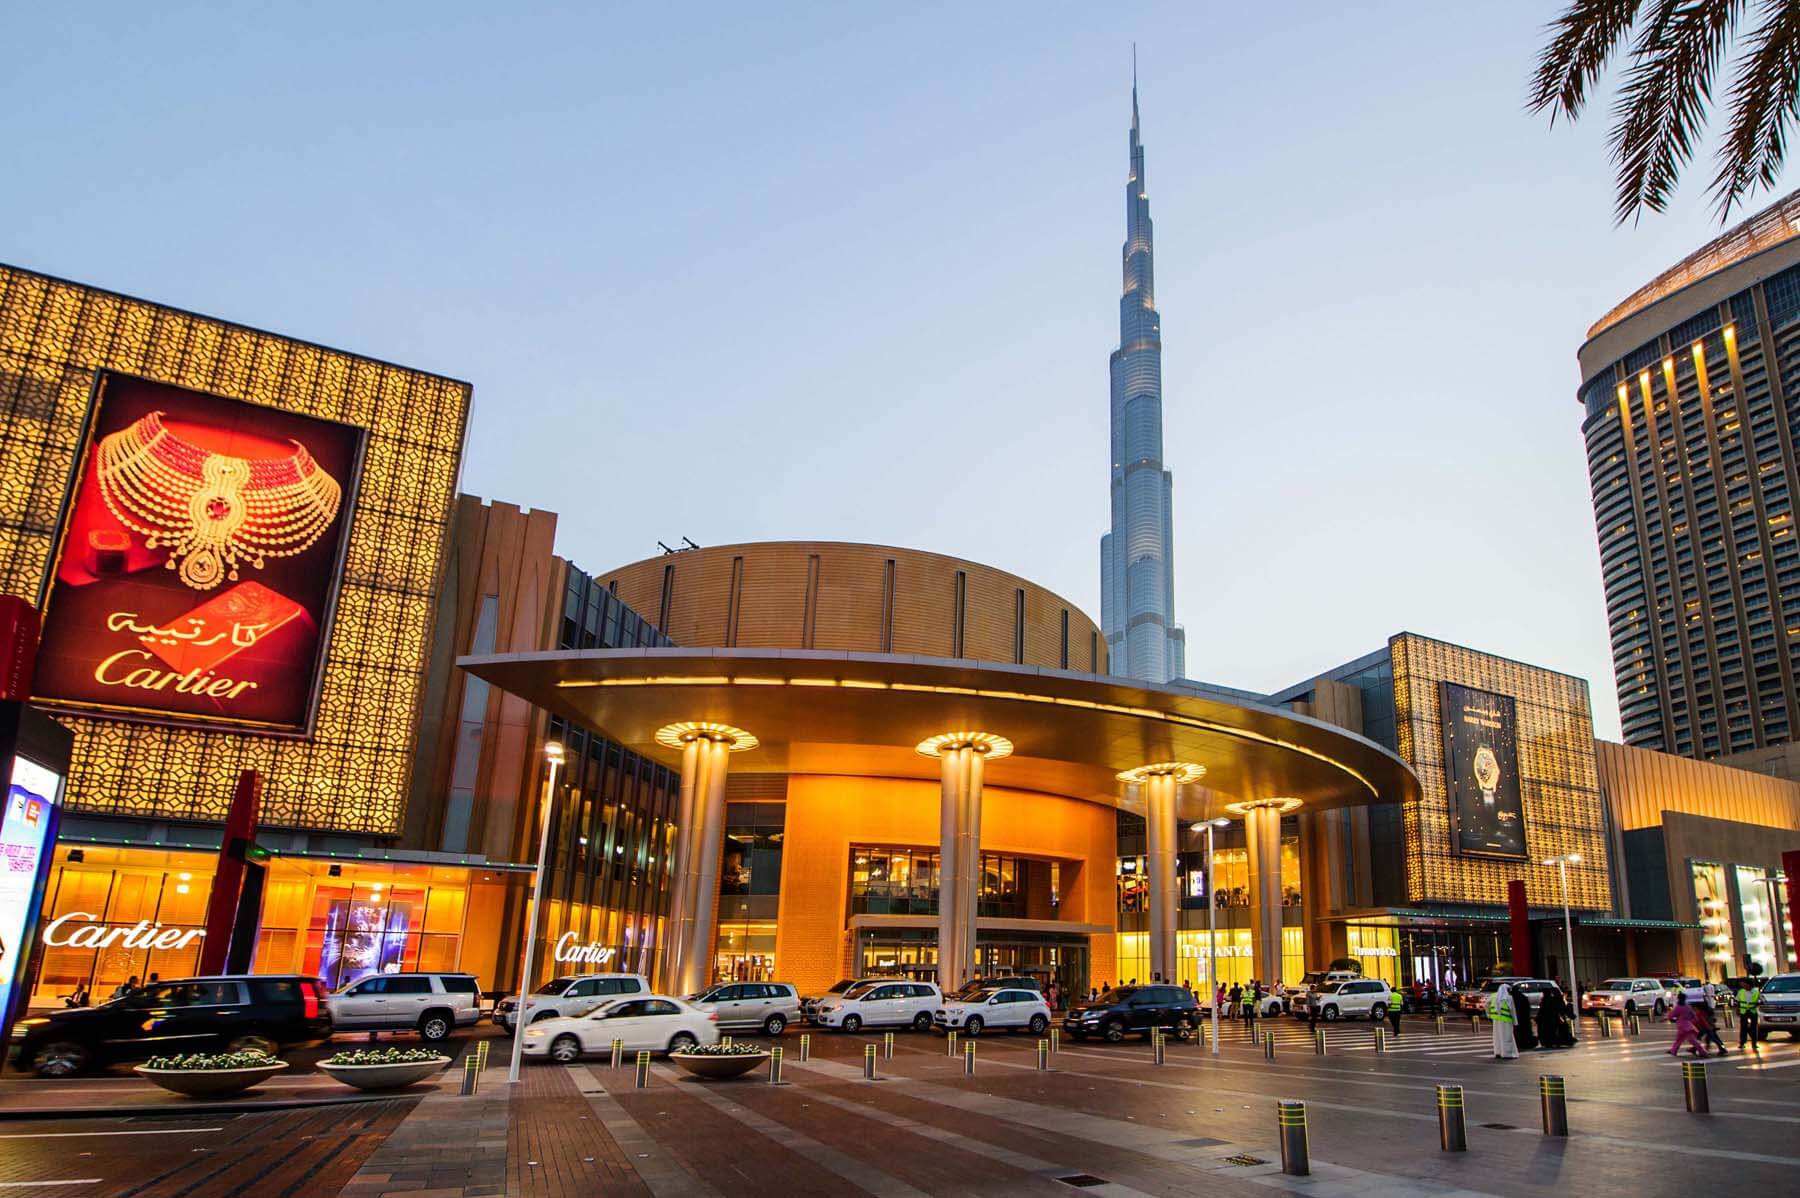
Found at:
<point>27,840</point>
<point>1481,771</point>
<point>199,557</point>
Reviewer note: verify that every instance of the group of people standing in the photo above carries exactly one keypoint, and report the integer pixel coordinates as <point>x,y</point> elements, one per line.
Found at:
<point>1518,1028</point>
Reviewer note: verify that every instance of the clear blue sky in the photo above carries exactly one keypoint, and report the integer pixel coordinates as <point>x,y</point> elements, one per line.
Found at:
<point>848,271</point>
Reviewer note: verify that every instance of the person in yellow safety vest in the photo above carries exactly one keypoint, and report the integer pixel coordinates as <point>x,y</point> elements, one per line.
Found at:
<point>1749,998</point>
<point>1500,1013</point>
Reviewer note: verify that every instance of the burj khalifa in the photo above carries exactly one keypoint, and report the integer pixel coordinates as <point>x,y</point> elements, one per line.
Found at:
<point>1137,558</point>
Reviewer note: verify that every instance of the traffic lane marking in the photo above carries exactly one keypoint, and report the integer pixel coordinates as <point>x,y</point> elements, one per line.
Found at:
<point>65,1135</point>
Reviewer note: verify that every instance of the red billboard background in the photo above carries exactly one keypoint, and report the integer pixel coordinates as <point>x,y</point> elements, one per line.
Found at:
<point>199,558</point>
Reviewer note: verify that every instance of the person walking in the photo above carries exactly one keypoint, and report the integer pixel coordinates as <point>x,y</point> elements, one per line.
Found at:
<point>1500,1014</point>
<point>1053,997</point>
<point>1393,1014</point>
<point>1682,1016</point>
<point>1706,1028</point>
<point>1749,999</point>
<point>1232,1000</point>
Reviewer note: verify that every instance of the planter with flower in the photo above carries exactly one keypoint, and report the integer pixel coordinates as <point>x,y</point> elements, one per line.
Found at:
<point>210,1075</point>
<point>383,1068</point>
<point>716,1062</point>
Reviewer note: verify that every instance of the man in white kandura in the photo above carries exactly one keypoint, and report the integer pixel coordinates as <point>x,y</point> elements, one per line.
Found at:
<point>1500,1012</point>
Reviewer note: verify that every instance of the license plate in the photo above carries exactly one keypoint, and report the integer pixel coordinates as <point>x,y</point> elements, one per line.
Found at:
<point>1778,1018</point>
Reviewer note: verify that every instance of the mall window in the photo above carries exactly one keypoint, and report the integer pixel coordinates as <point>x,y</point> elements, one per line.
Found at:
<point>902,881</point>
<point>752,860</point>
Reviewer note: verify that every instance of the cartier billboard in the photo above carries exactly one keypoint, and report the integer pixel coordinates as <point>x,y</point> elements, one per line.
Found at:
<point>198,558</point>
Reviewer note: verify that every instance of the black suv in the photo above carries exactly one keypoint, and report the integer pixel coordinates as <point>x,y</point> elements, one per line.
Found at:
<point>1134,1010</point>
<point>262,1011</point>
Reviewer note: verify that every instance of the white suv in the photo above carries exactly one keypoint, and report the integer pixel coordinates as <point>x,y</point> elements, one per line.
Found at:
<point>430,1003</point>
<point>881,1004</point>
<point>1364,998</point>
<point>767,1007</point>
<point>1628,996</point>
<point>569,997</point>
<point>1000,1008</point>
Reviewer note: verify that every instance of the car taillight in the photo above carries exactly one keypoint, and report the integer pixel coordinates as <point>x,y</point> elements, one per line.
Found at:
<point>309,997</point>
<point>712,1017</point>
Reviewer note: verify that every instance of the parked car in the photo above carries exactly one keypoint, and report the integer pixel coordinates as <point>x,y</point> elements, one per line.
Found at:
<point>1134,1010</point>
<point>881,1004</point>
<point>1780,1008</point>
<point>569,996</point>
<point>1533,989</point>
<point>809,1006</point>
<point>1364,998</point>
<point>1008,1007</point>
<point>1312,981</point>
<point>652,1023</point>
<point>1473,997</point>
<point>1694,988</point>
<point>433,1004</point>
<point>764,1006</point>
<point>1267,1007</point>
<point>1628,996</point>
<point>265,1012</point>
<point>970,987</point>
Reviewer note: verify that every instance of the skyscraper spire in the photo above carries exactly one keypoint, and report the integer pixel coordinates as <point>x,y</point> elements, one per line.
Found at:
<point>1137,558</point>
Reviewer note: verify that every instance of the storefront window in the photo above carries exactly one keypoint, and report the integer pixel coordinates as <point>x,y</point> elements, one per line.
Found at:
<point>1233,885</point>
<point>752,860</point>
<point>1753,910</point>
<point>1378,948</point>
<point>746,952</point>
<point>1717,947</point>
<point>893,881</point>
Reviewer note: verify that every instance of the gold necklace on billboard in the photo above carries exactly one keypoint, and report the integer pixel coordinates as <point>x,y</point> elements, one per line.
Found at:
<point>209,509</point>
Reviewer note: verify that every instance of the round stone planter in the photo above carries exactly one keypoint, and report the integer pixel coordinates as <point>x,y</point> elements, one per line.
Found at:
<point>210,1083</point>
<point>718,1068</point>
<point>384,1077</point>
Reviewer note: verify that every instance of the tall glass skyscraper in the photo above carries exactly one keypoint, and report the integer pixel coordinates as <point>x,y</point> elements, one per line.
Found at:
<point>1137,558</point>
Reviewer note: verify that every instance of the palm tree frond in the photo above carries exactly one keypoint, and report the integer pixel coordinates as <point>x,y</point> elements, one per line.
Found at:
<point>1765,96</point>
<point>1586,35</point>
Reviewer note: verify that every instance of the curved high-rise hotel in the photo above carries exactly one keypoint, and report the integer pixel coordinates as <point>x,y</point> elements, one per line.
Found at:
<point>1137,558</point>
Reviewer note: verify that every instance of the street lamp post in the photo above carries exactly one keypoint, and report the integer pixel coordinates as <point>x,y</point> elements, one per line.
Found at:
<point>1212,935</point>
<point>553,753</point>
<point>1562,864</point>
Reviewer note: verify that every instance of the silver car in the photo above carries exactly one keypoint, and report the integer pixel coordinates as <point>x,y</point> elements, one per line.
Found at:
<point>1780,1007</point>
<point>767,1007</point>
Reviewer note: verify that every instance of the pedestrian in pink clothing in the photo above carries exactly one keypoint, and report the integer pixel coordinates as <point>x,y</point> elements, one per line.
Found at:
<point>1683,1017</point>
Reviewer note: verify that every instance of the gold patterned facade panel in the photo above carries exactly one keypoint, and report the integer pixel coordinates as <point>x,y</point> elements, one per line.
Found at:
<point>351,774</point>
<point>1558,782</point>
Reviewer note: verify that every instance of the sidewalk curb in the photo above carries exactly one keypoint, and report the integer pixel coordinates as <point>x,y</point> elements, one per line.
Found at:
<point>203,1108</point>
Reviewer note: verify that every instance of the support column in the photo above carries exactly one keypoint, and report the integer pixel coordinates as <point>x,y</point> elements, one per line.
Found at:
<point>709,824</point>
<point>1262,837</point>
<point>668,949</point>
<point>962,758</point>
<point>684,959</point>
<point>1160,785</point>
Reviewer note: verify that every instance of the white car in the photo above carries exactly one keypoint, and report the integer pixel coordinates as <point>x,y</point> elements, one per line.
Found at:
<point>1267,1007</point>
<point>433,1004</point>
<point>654,1023</point>
<point>1312,981</point>
<point>881,1004</point>
<point>998,1008</point>
<point>767,1007</point>
<point>1780,1007</point>
<point>1362,998</point>
<point>569,997</point>
<point>1694,988</point>
<point>1628,996</point>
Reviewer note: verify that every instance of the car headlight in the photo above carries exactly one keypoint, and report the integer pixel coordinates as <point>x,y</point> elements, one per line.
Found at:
<point>534,1033</point>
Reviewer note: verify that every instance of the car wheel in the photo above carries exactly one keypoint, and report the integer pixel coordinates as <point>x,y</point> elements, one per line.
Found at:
<point>922,1021</point>
<point>973,1027</point>
<point>1660,1008</point>
<point>682,1041</point>
<point>434,1027</point>
<point>1183,1029</point>
<point>59,1058</point>
<point>1378,1012</point>
<point>1038,1024</point>
<point>253,1042</point>
<point>774,1025</point>
<point>1114,1031</point>
<point>565,1050</point>
<point>1330,1013</point>
<point>852,1023</point>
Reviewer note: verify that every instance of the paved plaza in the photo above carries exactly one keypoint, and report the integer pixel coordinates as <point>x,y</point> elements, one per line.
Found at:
<point>1105,1118</point>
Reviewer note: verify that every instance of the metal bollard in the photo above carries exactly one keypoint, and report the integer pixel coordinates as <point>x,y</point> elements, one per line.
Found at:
<point>1554,1100</point>
<point>1475,1024</point>
<point>950,1045</point>
<point>1269,1046</point>
<point>1440,1025</point>
<point>618,1055</point>
<point>471,1075</point>
<point>1055,1039</point>
<point>775,1066</point>
<point>725,1040</point>
<point>1725,1015</point>
<point>1606,1025</point>
<point>1380,1041</point>
<point>1200,1034</point>
<point>642,1081</point>
<point>481,1054</point>
<point>969,1057</point>
<point>1043,1055</point>
<point>887,1045</point>
<point>1453,1131</point>
<point>805,1046</point>
<point>868,1062</point>
<point>1318,1042</point>
<point>1156,1047</point>
<point>1637,1027</point>
<point>1693,1085</point>
<point>1290,1118</point>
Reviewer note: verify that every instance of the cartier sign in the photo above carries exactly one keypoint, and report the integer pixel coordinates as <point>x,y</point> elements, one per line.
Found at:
<point>78,929</point>
<point>569,950</point>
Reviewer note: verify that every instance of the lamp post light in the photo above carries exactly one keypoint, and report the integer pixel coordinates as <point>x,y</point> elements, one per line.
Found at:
<point>553,753</point>
<point>1562,864</point>
<point>1212,934</point>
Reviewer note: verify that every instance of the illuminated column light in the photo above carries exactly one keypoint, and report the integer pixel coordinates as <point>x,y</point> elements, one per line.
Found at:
<point>961,756</point>
<point>1262,837</point>
<point>686,952</point>
<point>1160,783</point>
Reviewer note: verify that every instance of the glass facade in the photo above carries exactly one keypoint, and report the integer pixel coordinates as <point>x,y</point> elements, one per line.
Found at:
<point>1718,948</point>
<point>904,881</point>
<point>1235,957</point>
